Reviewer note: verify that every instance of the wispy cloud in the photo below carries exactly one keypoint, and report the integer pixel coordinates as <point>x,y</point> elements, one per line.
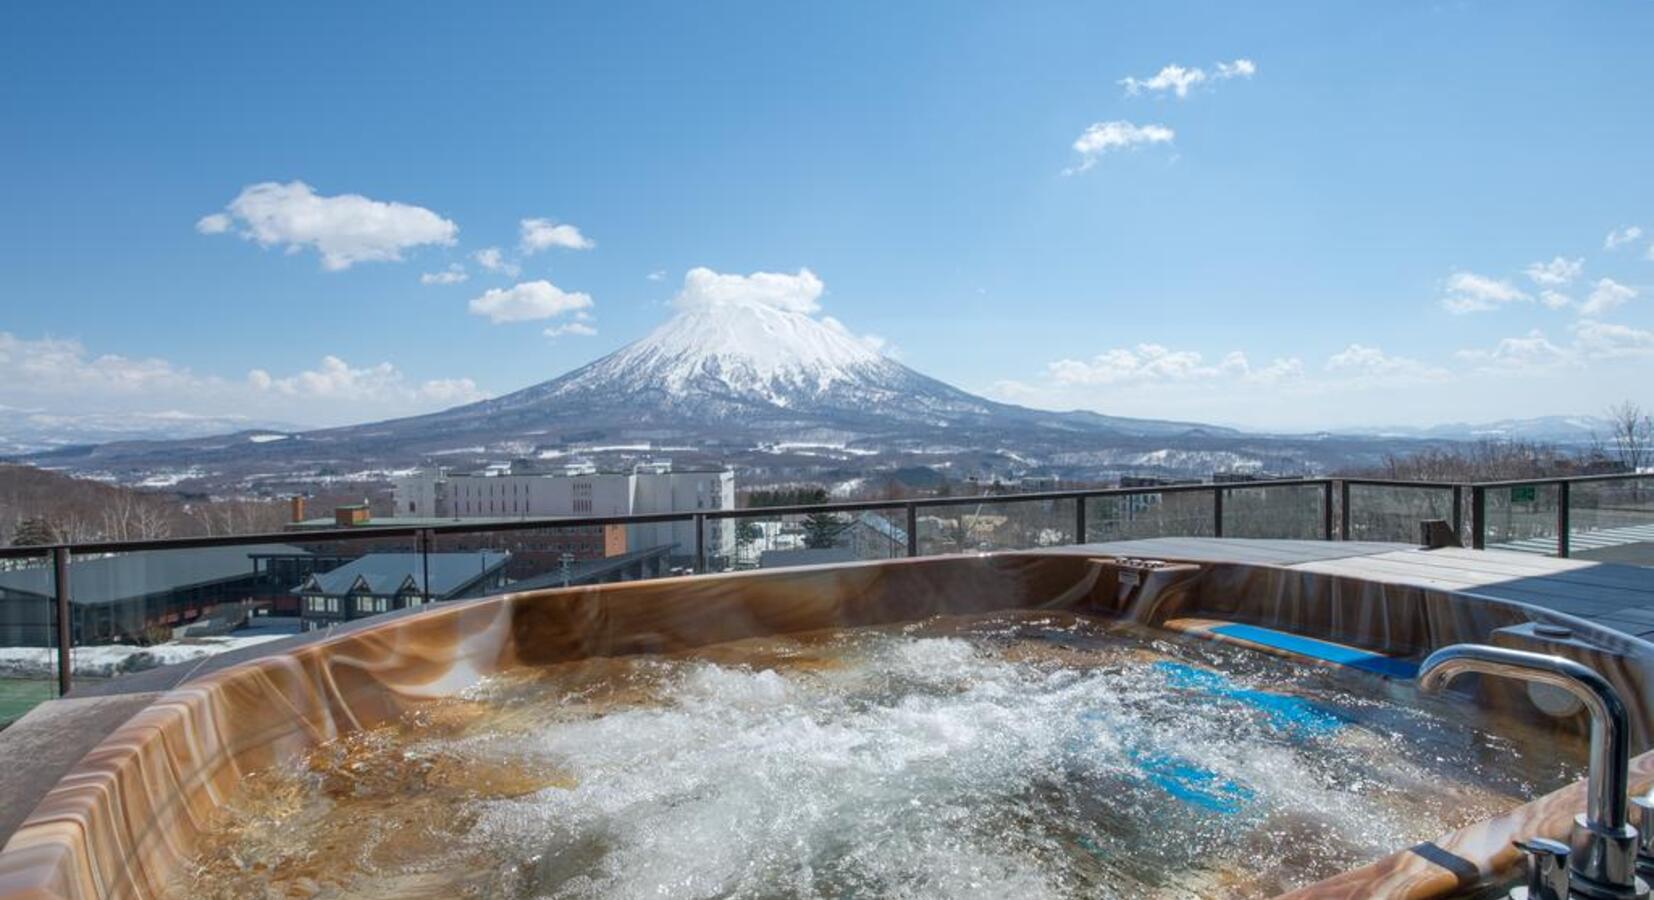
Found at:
<point>1559,271</point>
<point>1468,292</point>
<point>494,260</point>
<point>69,379</point>
<point>1146,363</point>
<point>1179,80</point>
<point>577,328</point>
<point>1105,137</point>
<point>1373,364</point>
<point>1606,295</point>
<point>338,380</point>
<point>454,274</point>
<point>1619,237</point>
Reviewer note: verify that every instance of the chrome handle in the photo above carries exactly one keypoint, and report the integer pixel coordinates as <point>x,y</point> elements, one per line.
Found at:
<point>1547,868</point>
<point>1603,857</point>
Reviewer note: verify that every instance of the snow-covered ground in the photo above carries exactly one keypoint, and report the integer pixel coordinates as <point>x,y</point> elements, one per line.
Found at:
<point>108,660</point>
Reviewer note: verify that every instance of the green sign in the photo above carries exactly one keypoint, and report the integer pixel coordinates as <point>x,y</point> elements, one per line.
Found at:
<point>1525,494</point>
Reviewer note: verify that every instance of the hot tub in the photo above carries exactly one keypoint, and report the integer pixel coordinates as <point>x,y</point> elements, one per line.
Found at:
<point>1041,724</point>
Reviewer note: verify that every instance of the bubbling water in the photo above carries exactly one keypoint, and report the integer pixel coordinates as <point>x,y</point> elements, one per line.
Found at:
<point>1026,756</point>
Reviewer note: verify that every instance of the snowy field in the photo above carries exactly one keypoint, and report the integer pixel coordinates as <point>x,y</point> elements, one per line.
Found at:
<point>109,660</point>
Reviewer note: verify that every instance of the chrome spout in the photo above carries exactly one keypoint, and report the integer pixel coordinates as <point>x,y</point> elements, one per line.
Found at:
<point>1604,846</point>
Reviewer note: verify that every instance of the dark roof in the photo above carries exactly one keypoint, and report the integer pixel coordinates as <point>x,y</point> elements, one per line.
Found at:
<point>586,571</point>
<point>125,576</point>
<point>389,573</point>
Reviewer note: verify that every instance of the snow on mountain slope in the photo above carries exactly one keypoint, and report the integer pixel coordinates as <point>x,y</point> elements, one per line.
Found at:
<point>750,349</point>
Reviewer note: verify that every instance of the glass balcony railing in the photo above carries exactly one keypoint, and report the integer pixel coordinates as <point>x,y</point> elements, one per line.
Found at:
<point>1151,514</point>
<point>1392,511</point>
<point>138,605</point>
<point>29,661</point>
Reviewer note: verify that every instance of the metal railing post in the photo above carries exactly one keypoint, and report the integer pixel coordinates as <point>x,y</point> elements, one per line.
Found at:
<point>912,528</point>
<point>1343,510</point>
<point>1079,520</point>
<point>1458,512</point>
<point>1478,517</point>
<point>1563,497</point>
<point>1326,511</point>
<point>426,539</point>
<point>1217,511</point>
<point>65,635</point>
<point>700,543</point>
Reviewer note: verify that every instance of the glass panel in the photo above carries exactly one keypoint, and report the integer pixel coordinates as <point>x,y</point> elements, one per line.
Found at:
<point>28,635</point>
<point>1612,521</point>
<point>1130,516</point>
<point>761,541</point>
<point>1522,518</point>
<point>995,524</point>
<point>1291,511</point>
<point>1381,512</point>
<point>136,611</point>
<point>473,564</point>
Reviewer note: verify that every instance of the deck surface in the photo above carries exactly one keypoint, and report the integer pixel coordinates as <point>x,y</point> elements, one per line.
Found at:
<point>1612,595</point>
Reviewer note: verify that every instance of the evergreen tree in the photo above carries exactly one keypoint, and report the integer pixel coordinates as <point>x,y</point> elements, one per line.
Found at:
<point>34,532</point>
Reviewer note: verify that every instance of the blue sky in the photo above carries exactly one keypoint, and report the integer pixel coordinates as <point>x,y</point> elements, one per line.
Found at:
<point>1339,232</point>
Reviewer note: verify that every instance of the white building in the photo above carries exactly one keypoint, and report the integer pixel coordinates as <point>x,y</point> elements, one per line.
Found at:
<point>519,491</point>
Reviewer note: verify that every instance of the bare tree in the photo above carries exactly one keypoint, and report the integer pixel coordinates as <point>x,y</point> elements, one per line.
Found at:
<point>1631,433</point>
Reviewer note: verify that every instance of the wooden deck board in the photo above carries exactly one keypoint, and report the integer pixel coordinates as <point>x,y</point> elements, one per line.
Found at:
<point>1611,595</point>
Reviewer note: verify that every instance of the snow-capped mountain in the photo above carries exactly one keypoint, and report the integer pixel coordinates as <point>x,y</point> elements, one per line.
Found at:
<point>758,372</point>
<point>760,385</point>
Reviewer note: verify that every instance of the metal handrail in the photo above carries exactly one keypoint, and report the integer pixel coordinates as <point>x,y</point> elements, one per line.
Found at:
<point>59,554</point>
<point>526,523</point>
<point>465,526</point>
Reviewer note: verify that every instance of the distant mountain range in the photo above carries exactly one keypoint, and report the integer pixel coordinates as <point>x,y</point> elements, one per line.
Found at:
<point>24,431</point>
<point>1543,429</point>
<point>781,394</point>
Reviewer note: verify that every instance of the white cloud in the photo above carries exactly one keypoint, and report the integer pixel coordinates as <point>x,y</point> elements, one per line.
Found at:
<point>1178,80</point>
<point>494,260</point>
<point>345,229</point>
<point>63,376</point>
<point>703,287</point>
<point>336,379</point>
<point>657,275</point>
<point>577,328</point>
<point>1104,137</point>
<point>1529,353</point>
<point>1557,272</point>
<point>544,234</point>
<point>1607,295</point>
<point>1555,299</point>
<point>527,302</point>
<point>1467,292</point>
<point>1373,364</point>
<point>1173,78</point>
<point>1600,339</point>
<point>50,367</point>
<point>1619,237</point>
<point>454,274</point>
<point>1149,363</point>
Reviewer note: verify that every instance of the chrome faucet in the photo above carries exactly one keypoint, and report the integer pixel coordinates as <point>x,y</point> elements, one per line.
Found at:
<point>1602,857</point>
